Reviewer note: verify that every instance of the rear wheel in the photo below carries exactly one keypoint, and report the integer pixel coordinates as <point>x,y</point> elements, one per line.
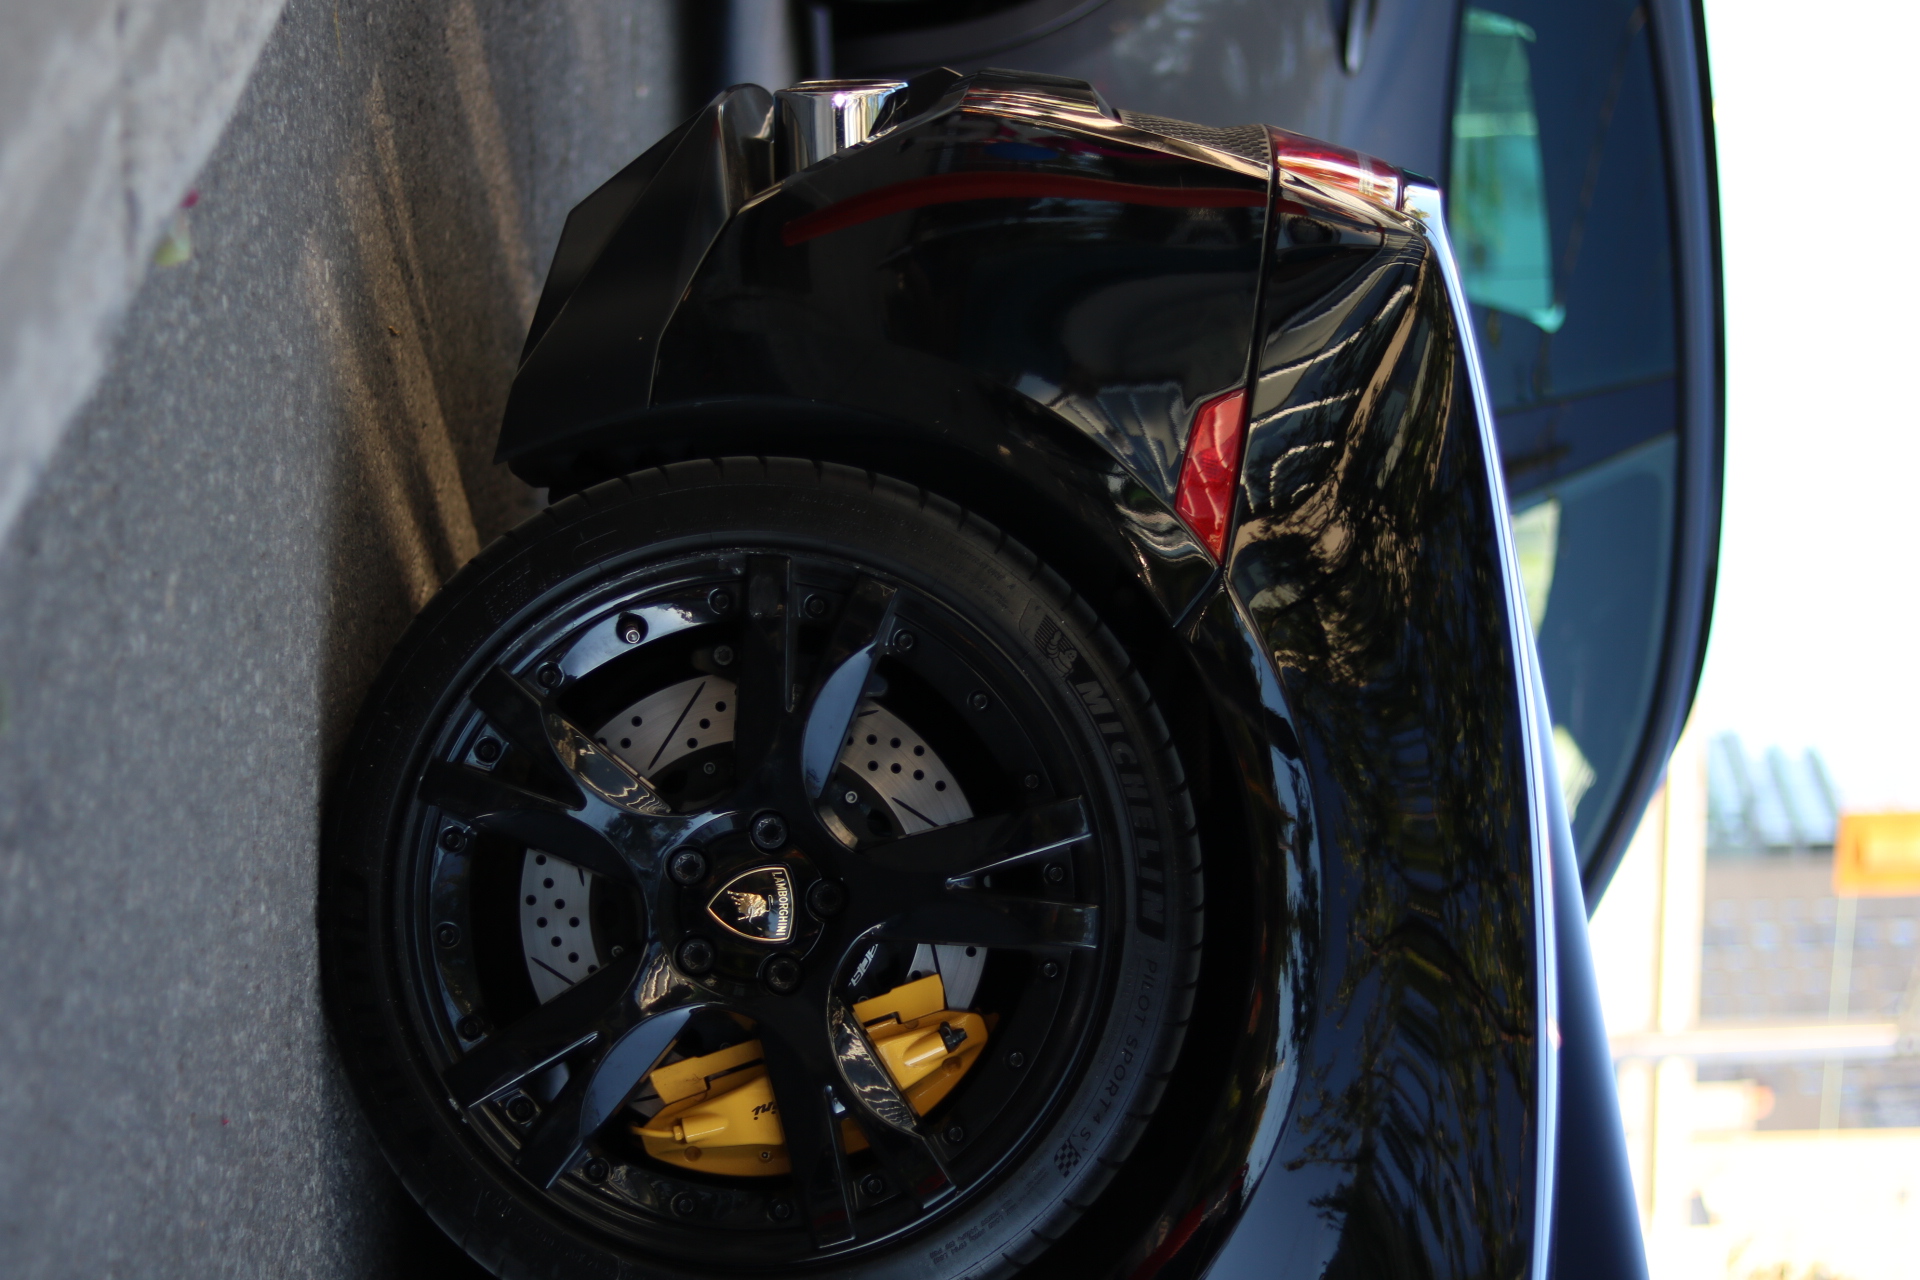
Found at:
<point>758,863</point>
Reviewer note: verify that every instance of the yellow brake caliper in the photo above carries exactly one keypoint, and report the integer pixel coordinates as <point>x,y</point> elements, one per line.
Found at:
<point>720,1115</point>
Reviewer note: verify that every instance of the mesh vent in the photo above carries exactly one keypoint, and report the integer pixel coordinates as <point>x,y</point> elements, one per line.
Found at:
<point>1248,140</point>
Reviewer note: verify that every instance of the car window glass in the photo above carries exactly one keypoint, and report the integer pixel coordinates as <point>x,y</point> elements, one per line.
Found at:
<point>1499,190</point>
<point>1595,550</point>
<point>1558,195</point>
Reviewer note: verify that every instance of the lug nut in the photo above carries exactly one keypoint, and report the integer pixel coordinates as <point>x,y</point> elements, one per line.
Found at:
<point>1033,781</point>
<point>956,1134</point>
<point>720,600</point>
<point>597,1170</point>
<point>1055,873</point>
<point>632,628</point>
<point>979,701</point>
<point>781,974</point>
<point>521,1109</point>
<point>874,1185</point>
<point>1016,1059</point>
<point>687,866</point>
<point>903,641</point>
<point>826,898</point>
<point>470,1027</point>
<point>548,675</point>
<point>816,606</point>
<point>453,839</point>
<point>769,831</point>
<point>684,1204</point>
<point>447,935</point>
<point>488,750</point>
<point>780,1210</point>
<point>695,956</point>
<point>1049,970</point>
<point>723,655</point>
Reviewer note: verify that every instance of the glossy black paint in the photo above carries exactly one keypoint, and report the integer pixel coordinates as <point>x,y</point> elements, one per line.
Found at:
<point>1368,561</point>
<point>1019,301</point>
<point>1378,76</point>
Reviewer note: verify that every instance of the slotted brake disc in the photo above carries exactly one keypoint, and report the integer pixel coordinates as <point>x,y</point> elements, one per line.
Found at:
<point>895,763</point>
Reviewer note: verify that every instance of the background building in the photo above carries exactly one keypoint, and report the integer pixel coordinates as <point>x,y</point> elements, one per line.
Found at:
<point>1763,1030</point>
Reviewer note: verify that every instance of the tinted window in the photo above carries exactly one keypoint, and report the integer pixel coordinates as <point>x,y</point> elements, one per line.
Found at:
<point>1558,204</point>
<point>1558,193</point>
<point>1595,555</point>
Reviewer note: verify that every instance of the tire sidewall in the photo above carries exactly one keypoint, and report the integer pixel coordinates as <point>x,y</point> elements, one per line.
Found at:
<point>604,534</point>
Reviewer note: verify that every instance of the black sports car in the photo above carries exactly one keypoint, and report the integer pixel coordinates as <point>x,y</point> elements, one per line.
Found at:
<point>1017,746</point>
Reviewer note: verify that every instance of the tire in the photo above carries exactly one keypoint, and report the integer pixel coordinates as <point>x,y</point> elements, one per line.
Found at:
<point>757,882</point>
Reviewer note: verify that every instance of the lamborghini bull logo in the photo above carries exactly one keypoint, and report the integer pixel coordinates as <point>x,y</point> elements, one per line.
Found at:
<point>756,904</point>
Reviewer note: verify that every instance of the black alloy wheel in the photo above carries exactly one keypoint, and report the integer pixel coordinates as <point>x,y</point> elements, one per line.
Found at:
<point>758,863</point>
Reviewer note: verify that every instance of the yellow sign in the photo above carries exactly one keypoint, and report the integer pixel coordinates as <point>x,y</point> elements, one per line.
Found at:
<point>1877,854</point>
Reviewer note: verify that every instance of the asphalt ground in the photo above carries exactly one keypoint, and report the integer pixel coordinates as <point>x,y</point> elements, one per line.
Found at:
<point>289,453</point>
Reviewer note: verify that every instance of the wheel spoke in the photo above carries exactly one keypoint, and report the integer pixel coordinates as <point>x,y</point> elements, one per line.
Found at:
<point>962,852</point>
<point>764,689</point>
<point>885,1115</point>
<point>800,1068</point>
<point>996,920</point>
<point>493,804</point>
<point>575,1017</point>
<point>562,754</point>
<point>864,629</point>
<point>597,1086</point>
<point>517,713</point>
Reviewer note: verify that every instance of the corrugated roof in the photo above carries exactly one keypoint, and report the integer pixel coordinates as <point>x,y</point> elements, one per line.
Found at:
<point>1772,802</point>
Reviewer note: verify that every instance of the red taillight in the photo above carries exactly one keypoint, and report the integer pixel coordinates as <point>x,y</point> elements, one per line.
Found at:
<point>1332,166</point>
<point>1212,468</point>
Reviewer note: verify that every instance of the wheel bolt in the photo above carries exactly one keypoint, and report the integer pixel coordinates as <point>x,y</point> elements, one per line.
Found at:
<point>453,839</point>
<point>874,1185</point>
<point>826,898</point>
<point>979,701</point>
<point>1049,970</point>
<point>687,866</point>
<point>816,606</point>
<point>695,956</point>
<point>488,750</point>
<point>719,600</point>
<point>548,675</point>
<point>956,1134</point>
<point>470,1027</point>
<point>521,1109</point>
<point>781,974</point>
<point>1055,873</point>
<point>1033,781</point>
<point>447,935</point>
<point>903,641</point>
<point>780,1210</point>
<point>684,1204</point>
<point>597,1170</point>
<point>769,831</point>
<point>1016,1059</point>
<point>723,655</point>
<point>631,628</point>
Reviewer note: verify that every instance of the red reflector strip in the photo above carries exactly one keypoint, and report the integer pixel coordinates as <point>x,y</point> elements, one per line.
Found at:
<point>951,188</point>
<point>1338,167</point>
<point>1212,469</point>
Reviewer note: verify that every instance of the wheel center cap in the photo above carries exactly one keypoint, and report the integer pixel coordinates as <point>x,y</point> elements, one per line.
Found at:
<point>759,904</point>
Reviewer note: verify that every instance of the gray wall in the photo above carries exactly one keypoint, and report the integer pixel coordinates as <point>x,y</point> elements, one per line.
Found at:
<point>107,109</point>
<point>287,453</point>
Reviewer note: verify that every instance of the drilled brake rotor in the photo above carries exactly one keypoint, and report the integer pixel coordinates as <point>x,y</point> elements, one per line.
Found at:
<point>896,766</point>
